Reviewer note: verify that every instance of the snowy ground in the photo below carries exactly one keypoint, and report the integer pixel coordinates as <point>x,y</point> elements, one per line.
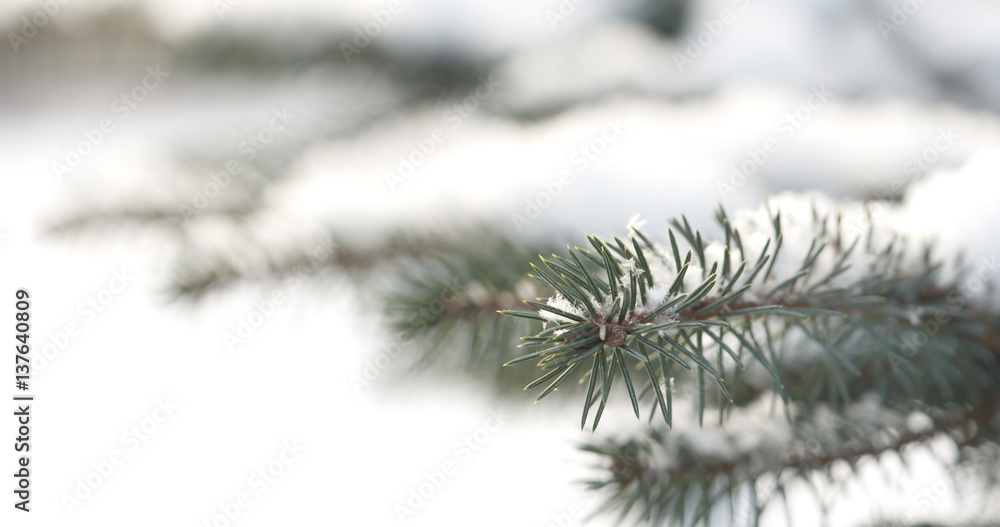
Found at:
<point>800,96</point>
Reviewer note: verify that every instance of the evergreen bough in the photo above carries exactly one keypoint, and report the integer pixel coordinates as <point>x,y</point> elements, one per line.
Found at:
<point>893,340</point>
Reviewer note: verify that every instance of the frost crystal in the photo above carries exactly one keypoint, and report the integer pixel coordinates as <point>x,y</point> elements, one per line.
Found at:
<point>560,302</point>
<point>634,222</point>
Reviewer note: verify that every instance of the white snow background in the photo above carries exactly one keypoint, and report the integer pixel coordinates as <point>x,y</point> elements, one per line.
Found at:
<point>681,134</point>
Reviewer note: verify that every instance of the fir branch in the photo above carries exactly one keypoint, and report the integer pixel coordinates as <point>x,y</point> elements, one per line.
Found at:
<point>608,298</point>
<point>198,272</point>
<point>653,477</point>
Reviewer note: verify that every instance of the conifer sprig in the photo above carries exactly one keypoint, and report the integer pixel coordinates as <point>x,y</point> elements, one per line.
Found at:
<point>632,311</point>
